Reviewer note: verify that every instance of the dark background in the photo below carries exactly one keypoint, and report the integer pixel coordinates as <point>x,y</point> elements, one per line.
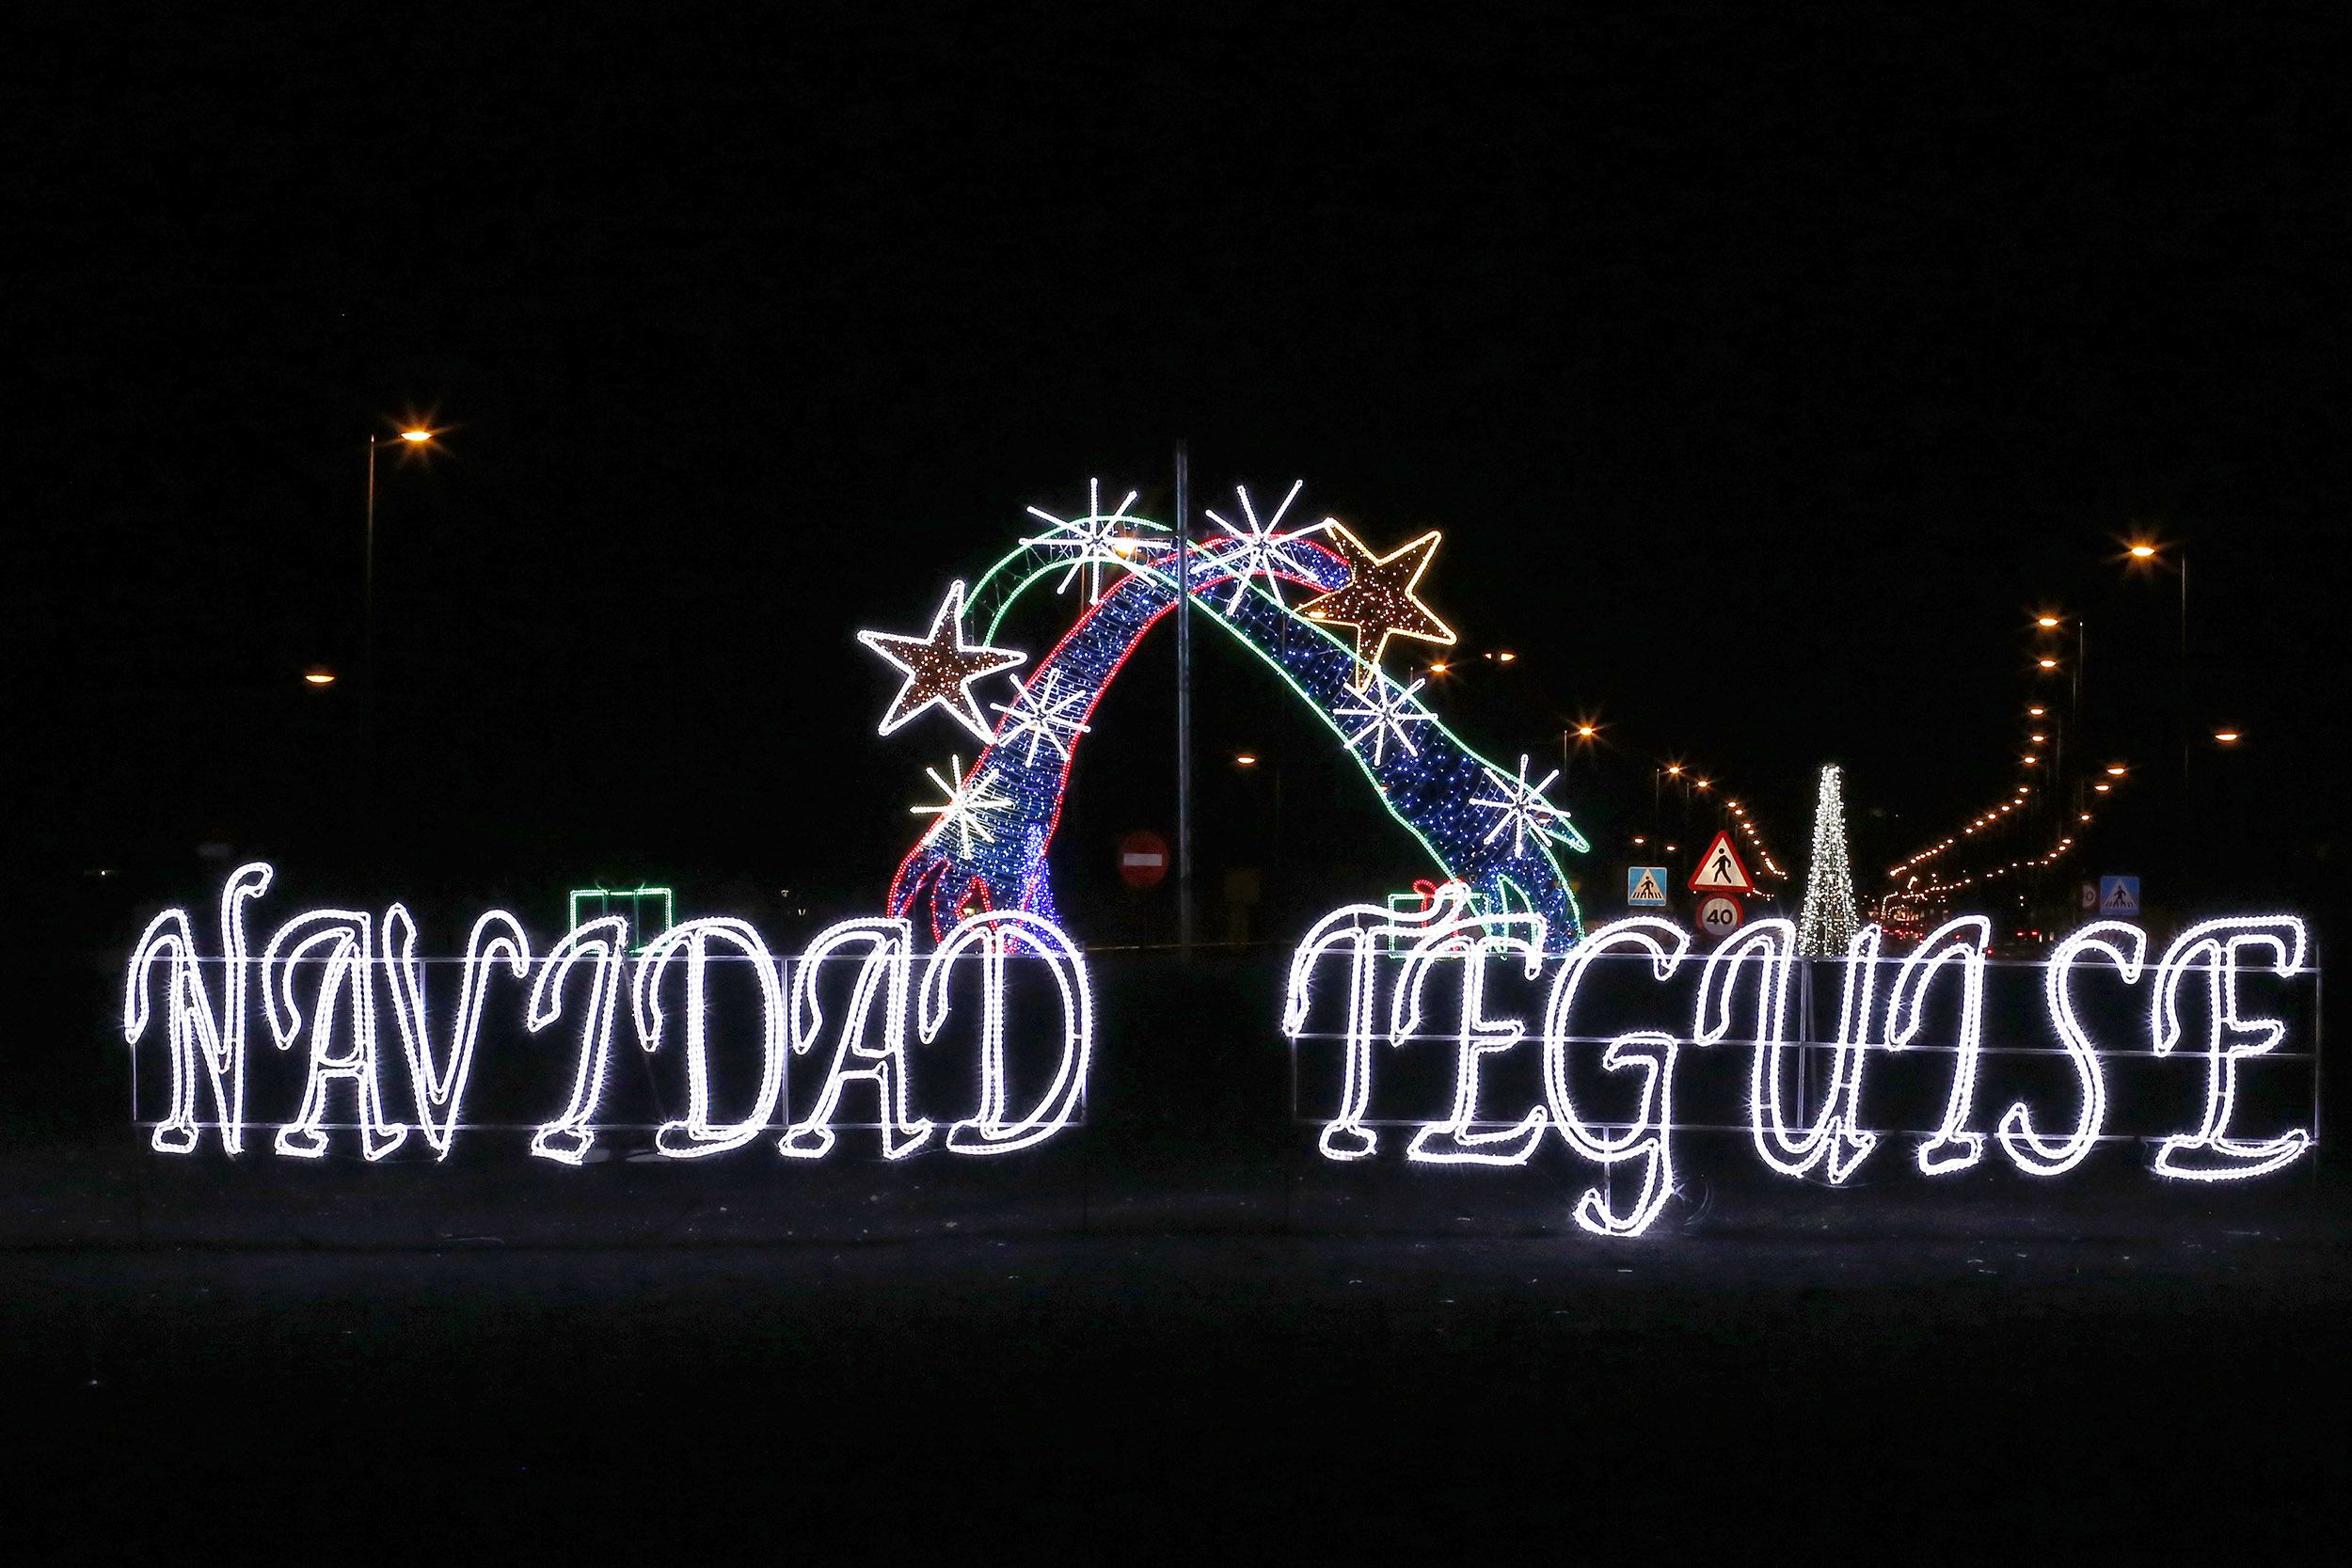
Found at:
<point>1767,369</point>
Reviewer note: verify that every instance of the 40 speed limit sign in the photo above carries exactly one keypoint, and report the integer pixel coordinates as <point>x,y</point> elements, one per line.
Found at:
<point>1718,915</point>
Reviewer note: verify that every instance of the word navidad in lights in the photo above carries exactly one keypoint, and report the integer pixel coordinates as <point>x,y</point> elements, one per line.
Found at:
<point>321,974</point>
<point>1372,943</point>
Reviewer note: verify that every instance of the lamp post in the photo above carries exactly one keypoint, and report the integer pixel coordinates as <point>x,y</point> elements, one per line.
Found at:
<point>2146,553</point>
<point>416,437</point>
<point>1583,737</point>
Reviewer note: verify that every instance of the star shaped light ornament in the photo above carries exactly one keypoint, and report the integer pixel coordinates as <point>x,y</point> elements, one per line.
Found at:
<point>1256,551</point>
<point>940,667</point>
<point>1386,708</point>
<point>1097,542</point>
<point>1521,810</point>
<point>964,812</point>
<point>1378,601</point>
<point>1047,712</point>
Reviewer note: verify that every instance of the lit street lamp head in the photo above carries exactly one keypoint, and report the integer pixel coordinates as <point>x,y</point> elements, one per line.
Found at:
<point>319,675</point>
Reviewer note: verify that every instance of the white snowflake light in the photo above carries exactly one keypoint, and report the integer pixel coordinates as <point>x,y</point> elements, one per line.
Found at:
<point>1386,708</point>
<point>1097,542</point>
<point>1046,712</point>
<point>965,808</point>
<point>1520,807</point>
<point>1257,548</point>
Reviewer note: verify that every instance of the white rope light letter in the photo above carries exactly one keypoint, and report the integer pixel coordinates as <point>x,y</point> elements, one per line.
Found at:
<point>440,1079</point>
<point>603,942</point>
<point>882,981</point>
<point>1962,941</point>
<point>1359,927</point>
<point>196,1037</point>
<point>694,1137</point>
<point>1832,1133</point>
<point>2210,1153</point>
<point>1649,1139</point>
<point>347,965</point>
<point>996,932</point>
<point>2028,1149</point>
<point>1469,940</point>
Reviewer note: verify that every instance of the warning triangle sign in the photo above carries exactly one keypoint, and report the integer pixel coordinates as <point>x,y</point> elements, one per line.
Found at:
<point>1720,870</point>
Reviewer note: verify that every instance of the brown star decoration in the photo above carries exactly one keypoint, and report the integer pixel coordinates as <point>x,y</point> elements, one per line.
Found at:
<point>1377,599</point>
<point>940,668</point>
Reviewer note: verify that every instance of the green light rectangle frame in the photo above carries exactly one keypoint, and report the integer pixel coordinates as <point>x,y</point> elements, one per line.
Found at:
<point>639,933</point>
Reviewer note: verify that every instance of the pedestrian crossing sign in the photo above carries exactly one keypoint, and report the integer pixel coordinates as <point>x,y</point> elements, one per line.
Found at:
<point>1645,887</point>
<point>1720,870</point>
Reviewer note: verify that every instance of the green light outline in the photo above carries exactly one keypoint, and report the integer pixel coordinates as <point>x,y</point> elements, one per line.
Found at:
<point>1544,841</point>
<point>1577,841</point>
<point>669,905</point>
<point>1045,568</point>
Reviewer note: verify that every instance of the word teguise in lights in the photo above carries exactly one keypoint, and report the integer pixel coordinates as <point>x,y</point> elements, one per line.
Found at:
<point>320,971</point>
<point>1368,941</point>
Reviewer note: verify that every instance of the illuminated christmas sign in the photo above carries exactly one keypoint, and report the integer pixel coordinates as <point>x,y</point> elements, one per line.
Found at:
<point>1380,964</point>
<point>962,1019</point>
<point>320,974</point>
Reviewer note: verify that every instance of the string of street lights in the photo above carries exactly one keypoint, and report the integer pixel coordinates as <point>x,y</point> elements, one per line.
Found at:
<point>1585,736</point>
<point>2046,730</point>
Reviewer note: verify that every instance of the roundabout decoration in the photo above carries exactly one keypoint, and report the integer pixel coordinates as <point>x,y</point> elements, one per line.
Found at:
<point>904,1024</point>
<point>1491,827</point>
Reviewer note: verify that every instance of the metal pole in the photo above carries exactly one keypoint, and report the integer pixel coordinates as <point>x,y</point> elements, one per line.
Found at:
<point>1183,699</point>
<point>367,596</point>
<point>2184,704</point>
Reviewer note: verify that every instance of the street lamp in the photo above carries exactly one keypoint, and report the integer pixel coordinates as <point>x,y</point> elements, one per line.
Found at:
<point>319,675</point>
<point>410,437</point>
<point>2147,553</point>
<point>2227,737</point>
<point>1585,736</point>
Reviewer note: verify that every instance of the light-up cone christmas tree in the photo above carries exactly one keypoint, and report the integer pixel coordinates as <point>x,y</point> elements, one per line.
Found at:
<point>1828,923</point>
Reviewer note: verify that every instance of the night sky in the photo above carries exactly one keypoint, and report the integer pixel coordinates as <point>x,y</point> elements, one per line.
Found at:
<point>1765,373</point>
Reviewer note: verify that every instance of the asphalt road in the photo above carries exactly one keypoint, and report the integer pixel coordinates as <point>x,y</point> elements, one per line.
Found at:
<point>1184,1378</point>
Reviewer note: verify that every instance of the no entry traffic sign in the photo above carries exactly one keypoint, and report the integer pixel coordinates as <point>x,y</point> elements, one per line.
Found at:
<point>1142,859</point>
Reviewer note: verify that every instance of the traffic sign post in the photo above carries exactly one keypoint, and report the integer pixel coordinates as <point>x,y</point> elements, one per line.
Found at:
<point>1718,915</point>
<point>1645,887</point>
<point>1142,859</point>
<point>1721,871</point>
